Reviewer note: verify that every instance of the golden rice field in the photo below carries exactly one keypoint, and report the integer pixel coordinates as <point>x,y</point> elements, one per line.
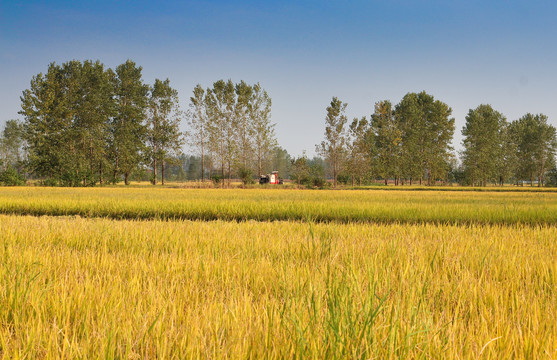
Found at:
<point>408,206</point>
<point>148,273</point>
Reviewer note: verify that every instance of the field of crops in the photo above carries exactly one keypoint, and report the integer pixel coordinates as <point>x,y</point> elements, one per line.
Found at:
<point>172,273</point>
<point>410,206</point>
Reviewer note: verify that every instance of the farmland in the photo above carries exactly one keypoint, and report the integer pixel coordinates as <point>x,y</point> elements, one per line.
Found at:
<point>174,273</point>
<point>407,206</point>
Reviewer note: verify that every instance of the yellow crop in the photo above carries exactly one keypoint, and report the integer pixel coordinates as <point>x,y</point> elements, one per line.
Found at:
<point>75,287</point>
<point>409,206</point>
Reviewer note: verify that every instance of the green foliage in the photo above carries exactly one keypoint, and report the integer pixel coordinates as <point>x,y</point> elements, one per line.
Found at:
<point>360,150</point>
<point>198,121</point>
<point>85,124</point>
<point>12,143</point>
<point>333,148</point>
<point>164,138</point>
<point>458,176</point>
<point>299,170</point>
<point>552,177</point>
<point>316,176</point>
<point>426,133</point>
<point>386,140</point>
<point>77,122</point>
<point>259,110</point>
<point>127,142</point>
<point>246,175</point>
<point>483,145</point>
<point>536,143</point>
<point>281,161</point>
<point>217,179</point>
<point>231,124</point>
<point>10,177</point>
<point>344,178</point>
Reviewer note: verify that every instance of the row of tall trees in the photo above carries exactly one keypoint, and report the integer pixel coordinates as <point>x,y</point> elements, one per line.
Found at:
<point>230,128</point>
<point>411,142</point>
<point>86,124</point>
<point>408,142</point>
<point>496,151</point>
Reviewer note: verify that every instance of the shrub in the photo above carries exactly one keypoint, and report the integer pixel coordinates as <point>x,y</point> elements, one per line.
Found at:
<point>246,175</point>
<point>216,179</point>
<point>10,177</point>
<point>552,177</point>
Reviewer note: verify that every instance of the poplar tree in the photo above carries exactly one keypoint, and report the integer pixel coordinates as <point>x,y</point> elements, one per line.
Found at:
<point>263,130</point>
<point>483,144</point>
<point>387,138</point>
<point>358,149</point>
<point>163,126</point>
<point>245,127</point>
<point>222,124</point>
<point>12,143</point>
<point>333,148</point>
<point>299,169</point>
<point>127,128</point>
<point>537,144</point>
<point>42,106</point>
<point>507,162</point>
<point>198,121</point>
<point>426,132</point>
<point>93,112</point>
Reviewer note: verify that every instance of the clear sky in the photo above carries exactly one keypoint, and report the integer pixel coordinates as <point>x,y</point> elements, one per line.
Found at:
<point>303,53</point>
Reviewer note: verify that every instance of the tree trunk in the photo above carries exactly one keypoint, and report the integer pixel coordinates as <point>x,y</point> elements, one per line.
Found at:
<point>116,168</point>
<point>162,173</point>
<point>222,175</point>
<point>202,165</point>
<point>154,181</point>
<point>101,172</point>
<point>126,176</point>
<point>386,181</point>
<point>352,180</point>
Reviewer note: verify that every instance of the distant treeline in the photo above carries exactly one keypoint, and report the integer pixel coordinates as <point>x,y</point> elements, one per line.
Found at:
<point>86,124</point>
<point>410,142</point>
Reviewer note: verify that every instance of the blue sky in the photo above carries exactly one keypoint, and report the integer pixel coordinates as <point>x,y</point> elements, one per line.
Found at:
<point>465,53</point>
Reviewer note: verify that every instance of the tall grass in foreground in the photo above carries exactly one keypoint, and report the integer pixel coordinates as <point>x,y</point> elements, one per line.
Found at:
<point>444,207</point>
<point>90,288</point>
